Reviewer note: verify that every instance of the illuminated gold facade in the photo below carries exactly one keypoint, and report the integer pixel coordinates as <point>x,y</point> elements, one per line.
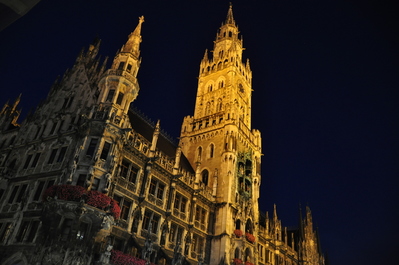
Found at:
<point>192,202</point>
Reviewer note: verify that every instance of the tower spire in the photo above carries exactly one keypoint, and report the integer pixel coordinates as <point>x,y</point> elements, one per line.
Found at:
<point>230,18</point>
<point>133,43</point>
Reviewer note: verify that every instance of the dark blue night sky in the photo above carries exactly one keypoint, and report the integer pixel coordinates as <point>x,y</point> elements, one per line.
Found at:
<point>325,81</point>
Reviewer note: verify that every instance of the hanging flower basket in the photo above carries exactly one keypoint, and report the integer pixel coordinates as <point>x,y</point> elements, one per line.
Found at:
<point>250,237</point>
<point>76,193</point>
<point>120,258</point>
<point>238,233</point>
<point>237,261</point>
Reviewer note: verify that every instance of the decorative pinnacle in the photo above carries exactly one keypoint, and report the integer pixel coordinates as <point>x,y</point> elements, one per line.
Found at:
<point>229,18</point>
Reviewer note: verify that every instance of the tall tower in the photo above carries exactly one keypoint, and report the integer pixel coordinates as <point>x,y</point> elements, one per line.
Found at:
<point>108,122</point>
<point>221,146</point>
<point>119,86</point>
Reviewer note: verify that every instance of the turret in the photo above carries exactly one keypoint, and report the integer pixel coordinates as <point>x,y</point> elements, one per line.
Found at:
<point>119,86</point>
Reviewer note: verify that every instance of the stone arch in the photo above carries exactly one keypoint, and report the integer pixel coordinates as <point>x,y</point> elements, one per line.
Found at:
<point>219,105</point>
<point>237,253</point>
<point>207,108</point>
<point>238,224</point>
<point>199,153</point>
<point>205,176</point>
<point>211,150</point>
<point>248,255</point>
<point>249,226</point>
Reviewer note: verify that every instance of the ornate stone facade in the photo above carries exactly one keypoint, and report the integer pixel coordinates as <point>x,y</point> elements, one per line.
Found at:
<point>194,202</point>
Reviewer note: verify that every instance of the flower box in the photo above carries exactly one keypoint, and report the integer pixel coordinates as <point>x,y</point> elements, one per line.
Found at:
<point>238,233</point>
<point>250,237</point>
<point>120,258</point>
<point>76,193</point>
<point>237,261</point>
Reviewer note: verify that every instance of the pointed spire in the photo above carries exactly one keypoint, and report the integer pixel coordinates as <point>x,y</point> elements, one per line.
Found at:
<point>301,230</point>
<point>155,137</point>
<point>16,102</point>
<point>133,43</point>
<point>275,213</point>
<point>229,18</point>
<point>205,58</point>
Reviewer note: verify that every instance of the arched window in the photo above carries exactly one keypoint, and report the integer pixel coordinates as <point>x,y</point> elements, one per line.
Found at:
<point>205,176</point>
<point>208,108</point>
<point>219,105</point>
<point>237,253</point>
<point>238,224</point>
<point>199,153</point>
<point>248,227</point>
<point>248,255</point>
<point>211,150</point>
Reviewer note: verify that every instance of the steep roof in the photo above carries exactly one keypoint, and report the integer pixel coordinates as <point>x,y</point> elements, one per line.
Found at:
<point>145,127</point>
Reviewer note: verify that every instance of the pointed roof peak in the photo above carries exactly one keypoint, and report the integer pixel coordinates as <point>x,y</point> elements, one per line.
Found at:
<point>137,30</point>
<point>230,18</point>
<point>134,40</point>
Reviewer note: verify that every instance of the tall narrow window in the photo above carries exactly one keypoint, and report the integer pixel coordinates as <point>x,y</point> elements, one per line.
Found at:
<point>129,68</point>
<point>156,188</point>
<point>22,231</point>
<point>61,155</point>
<point>35,160</point>
<point>105,151</point>
<point>92,147</point>
<point>151,217</point>
<point>52,156</point>
<point>211,150</point>
<point>66,229</point>
<point>53,127</point>
<point>39,190</point>
<point>120,98</point>
<point>13,194</point>
<point>27,161</point>
<point>125,208</point>
<point>121,65</point>
<point>21,193</point>
<point>110,96</point>
<point>34,225</point>
<point>37,132</point>
<point>70,101</point>
<point>81,180</point>
<point>95,184</point>
<point>205,176</point>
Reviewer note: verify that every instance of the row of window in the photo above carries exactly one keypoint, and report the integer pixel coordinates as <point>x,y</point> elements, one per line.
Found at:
<point>210,152</point>
<point>220,85</point>
<point>93,144</point>
<point>19,191</point>
<point>56,155</point>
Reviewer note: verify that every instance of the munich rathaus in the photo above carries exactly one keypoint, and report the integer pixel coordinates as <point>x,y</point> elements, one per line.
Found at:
<point>85,179</point>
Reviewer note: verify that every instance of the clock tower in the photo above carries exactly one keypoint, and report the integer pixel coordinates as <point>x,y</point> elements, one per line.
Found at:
<point>222,147</point>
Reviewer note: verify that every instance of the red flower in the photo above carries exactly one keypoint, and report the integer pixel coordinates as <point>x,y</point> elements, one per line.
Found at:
<point>237,261</point>
<point>120,258</point>
<point>238,233</point>
<point>248,263</point>
<point>115,209</point>
<point>98,199</point>
<point>250,237</point>
<point>75,193</point>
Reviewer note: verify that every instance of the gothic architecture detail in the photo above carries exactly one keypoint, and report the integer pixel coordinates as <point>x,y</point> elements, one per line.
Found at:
<point>86,179</point>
